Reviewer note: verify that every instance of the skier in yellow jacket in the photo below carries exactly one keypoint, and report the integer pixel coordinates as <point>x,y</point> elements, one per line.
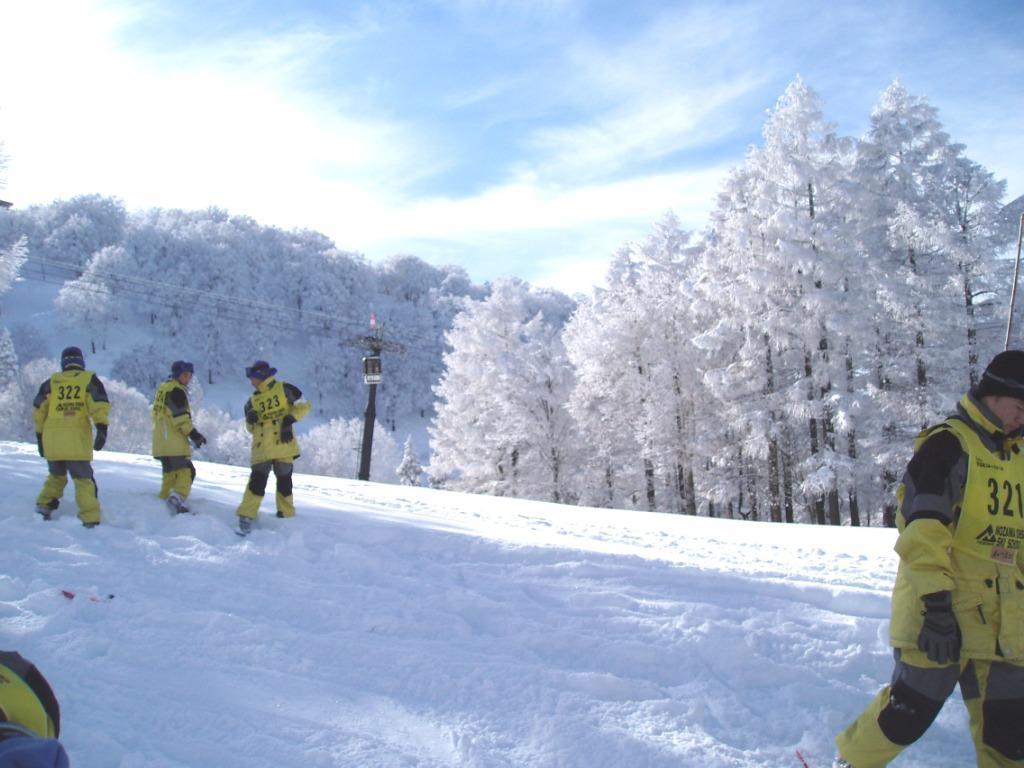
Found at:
<point>958,602</point>
<point>270,413</point>
<point>172,431</point>
<point>64,410</point>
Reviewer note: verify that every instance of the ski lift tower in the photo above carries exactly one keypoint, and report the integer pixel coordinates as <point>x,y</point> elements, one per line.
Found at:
<point>374,342</point>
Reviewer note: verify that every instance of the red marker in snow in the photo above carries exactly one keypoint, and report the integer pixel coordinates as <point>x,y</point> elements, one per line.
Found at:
<point>101,599</point>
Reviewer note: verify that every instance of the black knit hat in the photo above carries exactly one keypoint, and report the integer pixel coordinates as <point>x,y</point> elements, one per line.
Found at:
<point>1004,376</point>
<point>72,357</point>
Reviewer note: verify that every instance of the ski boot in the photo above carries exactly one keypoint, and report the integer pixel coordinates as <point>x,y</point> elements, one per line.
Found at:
<point>244,526</point>
<point>176,503</point>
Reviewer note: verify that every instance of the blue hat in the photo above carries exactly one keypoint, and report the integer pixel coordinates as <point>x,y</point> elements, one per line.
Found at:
<point>179,367</point>
<point>72,357</point>
<point>260,370</point>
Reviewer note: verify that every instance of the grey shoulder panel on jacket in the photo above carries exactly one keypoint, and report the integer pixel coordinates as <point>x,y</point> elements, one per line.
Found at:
<point>97,391</point>
<point>292,392</point>
<point>42,394</point>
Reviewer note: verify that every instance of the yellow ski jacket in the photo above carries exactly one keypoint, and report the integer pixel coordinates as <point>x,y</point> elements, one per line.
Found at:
<point>961,528</point>
<point>64,410</point>
<point>265,412</point>
<point>172,420</point>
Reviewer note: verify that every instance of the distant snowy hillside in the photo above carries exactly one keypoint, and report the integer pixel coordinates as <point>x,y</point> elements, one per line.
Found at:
<point>137,290</point>
<point>394,627</point>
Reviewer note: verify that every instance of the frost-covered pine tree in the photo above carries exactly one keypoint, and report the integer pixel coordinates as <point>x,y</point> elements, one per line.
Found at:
<point>8,359</point>
<point>929,220</point>
<point>333,449</point>
<point>501,425</point>
<point>410,470</point>
<point>88,303</point>
<point>131,419</point>
<point>603,342</point>
<point>11,423</point>
<point>636,375</point>
<point>11,260</point>
<point>788,295</point>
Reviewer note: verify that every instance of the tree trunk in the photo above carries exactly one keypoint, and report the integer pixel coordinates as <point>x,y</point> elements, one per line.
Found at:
<point>787,485</point>
<point>774,496</point>
<point>774,502</point>
<point>556,466</point>
<point>649,478</point>
<point>818,502</point>
<point>972,331</point>
<point>834,517</point>
<point>752,492</point>
<point>691,494</point>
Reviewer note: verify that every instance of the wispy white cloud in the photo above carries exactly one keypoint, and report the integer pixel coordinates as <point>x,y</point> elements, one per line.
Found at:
<point>560,237</point>
<point>573,137</point>
<point>202,122</point>
<point>642,132</point>
<point>677,84</point>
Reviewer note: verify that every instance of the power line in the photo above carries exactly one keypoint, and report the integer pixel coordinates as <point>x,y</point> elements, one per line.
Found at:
<point>409,344</point>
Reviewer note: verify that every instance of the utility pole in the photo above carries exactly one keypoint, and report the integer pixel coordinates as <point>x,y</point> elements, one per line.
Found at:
<point>371,377</point>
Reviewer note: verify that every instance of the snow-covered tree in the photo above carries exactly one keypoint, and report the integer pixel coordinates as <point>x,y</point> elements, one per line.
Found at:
<point>12,422</point>
<point>67,233</point>
<point>228,441</point>
<point>131,421</point>
<point>409,470</point>
<point>636,372</point>
<point>929,219</point>
<point>11,260</point>
<point>333,449</point>
<point>88,303</point>
<point>501,425</point>
<point>8,359</point>
<point>142,366</point>
<point>29,342</point>
<point>786,272</point>
<point>30,377</point>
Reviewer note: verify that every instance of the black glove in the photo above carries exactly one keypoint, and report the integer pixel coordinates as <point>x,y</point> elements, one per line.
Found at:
<point>251,416</point>
<point>287,435</point>
<point>940,635</point>
<point>197,438</point>
<point>101,437</point>
<point>39,442</point>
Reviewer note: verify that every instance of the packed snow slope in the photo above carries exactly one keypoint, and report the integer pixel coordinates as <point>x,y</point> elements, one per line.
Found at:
<point>394,627</point>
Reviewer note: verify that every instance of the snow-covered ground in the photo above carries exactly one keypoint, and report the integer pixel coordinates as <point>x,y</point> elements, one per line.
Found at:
<point>395,627</point>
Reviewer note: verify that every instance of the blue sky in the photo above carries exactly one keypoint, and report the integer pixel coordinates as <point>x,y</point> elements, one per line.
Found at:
<point>515,137</point>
